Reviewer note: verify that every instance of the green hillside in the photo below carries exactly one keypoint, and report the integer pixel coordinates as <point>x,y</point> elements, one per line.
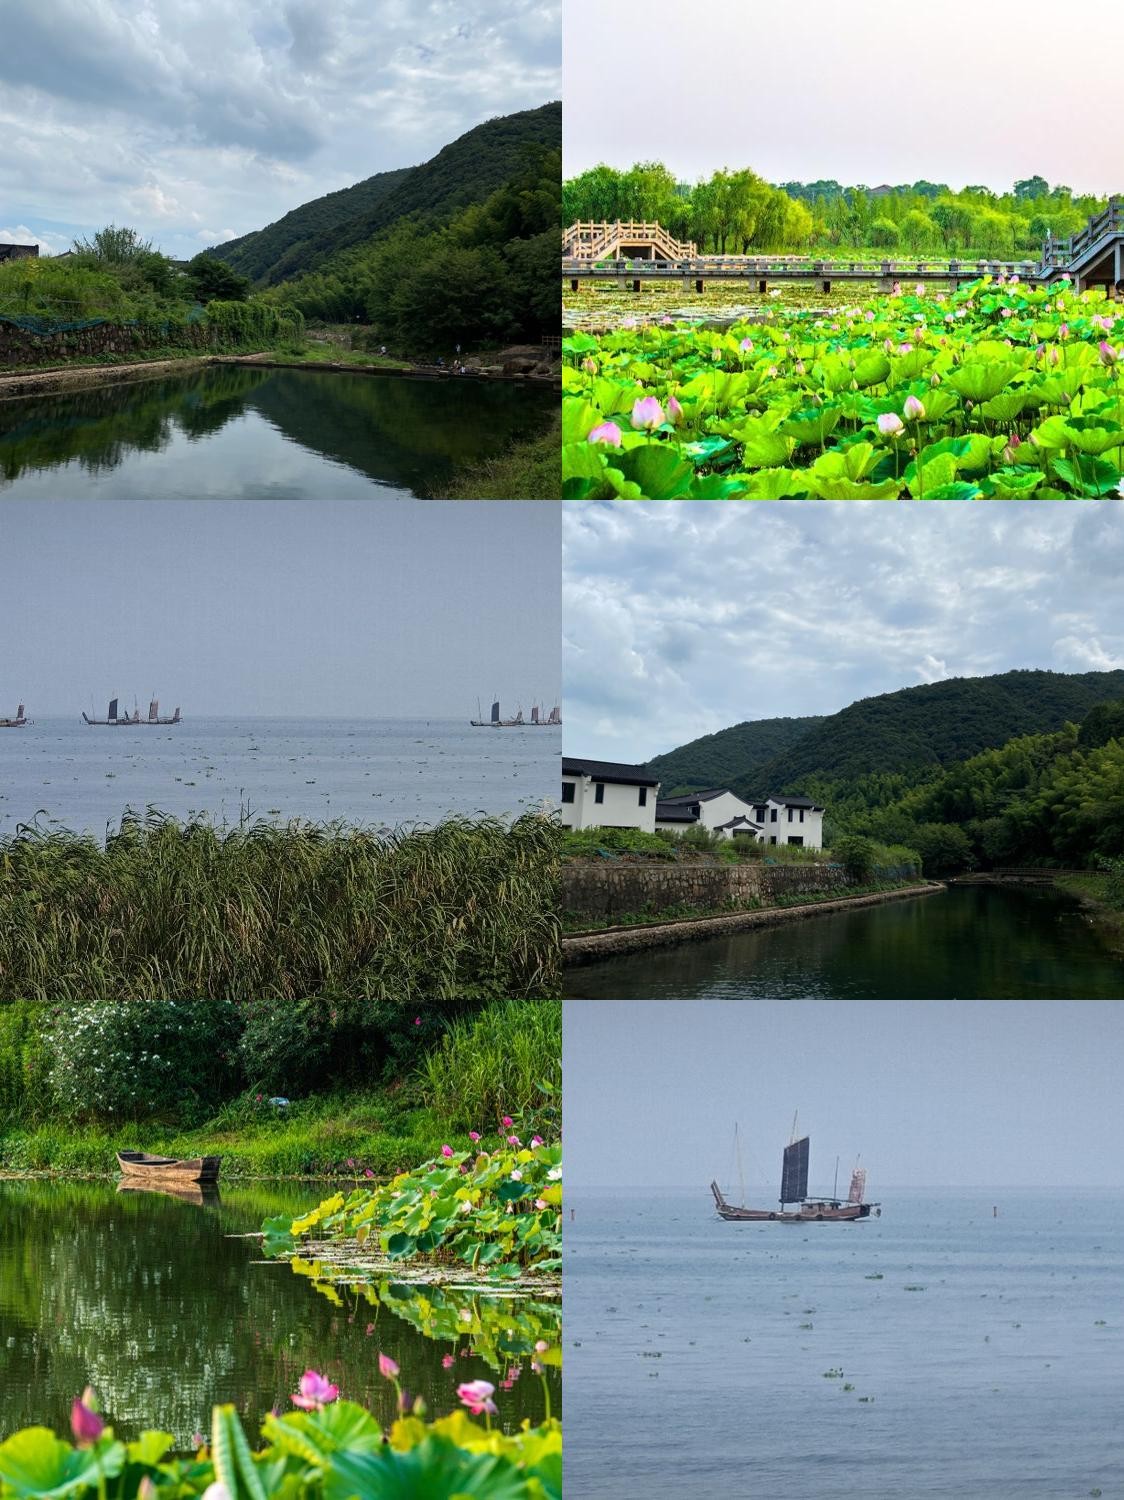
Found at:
<point>466,171</point>
<point>915,731</point>
<point>271,253</point>
<point>731,755</point>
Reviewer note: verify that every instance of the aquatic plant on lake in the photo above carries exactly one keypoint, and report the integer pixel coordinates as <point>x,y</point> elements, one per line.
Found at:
<point>329,1447</point>
<point>496,1209</point>
<point>464,910</point>
<point>999,390</point>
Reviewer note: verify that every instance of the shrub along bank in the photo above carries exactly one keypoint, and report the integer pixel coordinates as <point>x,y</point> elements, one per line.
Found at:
<point>373,1085</point>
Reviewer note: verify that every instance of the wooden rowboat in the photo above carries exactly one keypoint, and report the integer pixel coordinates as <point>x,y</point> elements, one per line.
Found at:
<point>141,1167</point>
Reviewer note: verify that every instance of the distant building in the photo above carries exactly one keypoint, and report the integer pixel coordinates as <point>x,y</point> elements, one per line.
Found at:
<point>776,820</point>
<point>606,794</point>
<point>17,252</point>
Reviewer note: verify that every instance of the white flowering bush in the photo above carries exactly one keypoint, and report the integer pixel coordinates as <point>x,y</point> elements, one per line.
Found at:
<point>139,1059</point>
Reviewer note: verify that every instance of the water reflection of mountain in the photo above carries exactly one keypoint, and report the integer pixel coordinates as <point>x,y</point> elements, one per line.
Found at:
<point>153,1303</point>
<point>407,434</point>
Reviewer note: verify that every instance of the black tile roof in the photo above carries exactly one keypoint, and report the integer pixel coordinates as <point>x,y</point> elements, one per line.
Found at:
<point>784,802</point>
<point>714,791</point>
<point>609,770</point>
<point>676,812</point>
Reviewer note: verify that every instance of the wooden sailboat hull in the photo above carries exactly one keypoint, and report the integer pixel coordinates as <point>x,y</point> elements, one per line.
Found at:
<point>139,1167</point>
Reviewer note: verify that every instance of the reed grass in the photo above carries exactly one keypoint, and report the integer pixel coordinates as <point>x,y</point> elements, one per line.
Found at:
<point>465,909</point>
<point>493,1064</point>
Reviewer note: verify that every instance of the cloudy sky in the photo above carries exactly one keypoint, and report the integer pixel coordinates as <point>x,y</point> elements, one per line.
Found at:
<point>950,1075</point>
<point>861,92</point>
<point>355,609</point>
<point>679,620</point>
<point>197,120</point>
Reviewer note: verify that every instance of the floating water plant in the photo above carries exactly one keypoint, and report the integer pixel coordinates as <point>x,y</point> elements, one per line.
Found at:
<point>997,391</point>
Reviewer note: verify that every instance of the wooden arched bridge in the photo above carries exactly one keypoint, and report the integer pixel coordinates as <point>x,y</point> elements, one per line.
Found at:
<point>634,253</point>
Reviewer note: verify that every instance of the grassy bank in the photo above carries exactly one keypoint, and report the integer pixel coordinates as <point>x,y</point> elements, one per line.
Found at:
<point>530,470</point>
<point>190,911</point>
<point>1095,891</point>
<point>574,923</point>
<point>390,1088</point>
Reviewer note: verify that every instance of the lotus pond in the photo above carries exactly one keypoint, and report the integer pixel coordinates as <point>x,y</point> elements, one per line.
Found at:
<point>997,391</point>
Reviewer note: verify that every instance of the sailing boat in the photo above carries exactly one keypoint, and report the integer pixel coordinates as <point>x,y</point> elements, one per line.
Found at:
<point>17,723</point>
<point>112,717</point>
<point>553,718</point>
<point>154,714</point>
<point>794,1190</point>
<point>495,722</point>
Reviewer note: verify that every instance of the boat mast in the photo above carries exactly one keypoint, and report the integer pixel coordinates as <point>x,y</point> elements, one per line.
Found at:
<point>835,1189</point>
<point>738,1154</point>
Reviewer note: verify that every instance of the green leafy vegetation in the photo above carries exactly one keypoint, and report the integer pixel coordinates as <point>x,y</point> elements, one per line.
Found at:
<point>496,1205</point>
<point>997,391</point>
<point>735,212</point>
<point>332,1449</point>
<point>463,910</point>
<point>527,471</point>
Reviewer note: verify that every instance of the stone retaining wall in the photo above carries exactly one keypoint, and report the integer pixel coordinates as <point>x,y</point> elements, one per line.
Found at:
<point>20,348</point>
<point>604,888</point>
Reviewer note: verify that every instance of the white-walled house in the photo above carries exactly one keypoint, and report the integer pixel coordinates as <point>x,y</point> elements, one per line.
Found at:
<point>606,794</point>
<point>776,820</point>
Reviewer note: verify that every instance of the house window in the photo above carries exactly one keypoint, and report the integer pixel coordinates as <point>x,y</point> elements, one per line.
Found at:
<point>790,815</point>
<point>796,838</point>
<point>643,796</point>
<point>567,791</point>
<point>772,837</point>
<point>599,792</point>
<point>759,814</point>
<point>801,815</point>
<point>773,818</point>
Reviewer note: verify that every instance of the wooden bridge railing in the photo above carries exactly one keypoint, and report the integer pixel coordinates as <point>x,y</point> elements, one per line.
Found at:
<point>1061,253</point>
<point>589,239</point>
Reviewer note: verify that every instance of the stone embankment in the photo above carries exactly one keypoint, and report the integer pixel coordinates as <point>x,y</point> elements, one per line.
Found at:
<point>587,947</point>
<point>600,888</point>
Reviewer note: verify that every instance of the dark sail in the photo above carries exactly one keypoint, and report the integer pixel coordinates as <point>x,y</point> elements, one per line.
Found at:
<point>112,714</point>
<point>153,711</point>
<point>794,1176</point>
<point>496,712</point>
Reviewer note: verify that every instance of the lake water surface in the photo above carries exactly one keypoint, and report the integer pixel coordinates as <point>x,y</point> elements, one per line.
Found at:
<point>713,1359</point>
<point>380,772</point>
<point>970,942</point>
<point>236,432</point>
<point>151,1301</point>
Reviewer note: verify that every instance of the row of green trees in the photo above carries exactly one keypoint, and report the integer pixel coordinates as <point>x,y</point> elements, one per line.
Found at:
<point>735,211</point>
<point>1039,799</point>
<point>486,275</point>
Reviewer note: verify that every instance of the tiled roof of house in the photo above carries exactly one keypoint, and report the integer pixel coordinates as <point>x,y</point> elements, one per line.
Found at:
<point>706,796</point>
<point>609,770</point>
<point>676,812</point>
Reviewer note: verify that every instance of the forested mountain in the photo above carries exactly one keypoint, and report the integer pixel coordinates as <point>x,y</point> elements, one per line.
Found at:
<point>466,171</point>
<point>728,756</point>
<point>276,251</point>
<point>1022,767</point>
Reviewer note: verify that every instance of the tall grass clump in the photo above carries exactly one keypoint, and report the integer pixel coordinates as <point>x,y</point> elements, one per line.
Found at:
<point>495,1063</point>
<point>25,1063</point>
<point>466,909</point>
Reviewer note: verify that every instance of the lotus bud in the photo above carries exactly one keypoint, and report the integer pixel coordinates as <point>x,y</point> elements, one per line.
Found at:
<point>589,365</point>
<point>870,317</point>
<point>1006,312</point>
<point>913,409</point>
<point>934,380</point>
<point>854,385</point>
<point>746,346</point>
<point>799,366</point>
<point>674,411</point>
<point>1063,330</point>
<point>919,289</point>
<point>1108,354</point>
<point>647,413</point>
<point>888,345</point>
<point>1054,357</point>
<point>772,371</point>
<point>715,356</point>
<point>608,433</point>
<point>890,424</point>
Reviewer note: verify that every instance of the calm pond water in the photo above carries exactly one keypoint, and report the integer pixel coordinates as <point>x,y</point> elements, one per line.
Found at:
<point>973,942</point>
<point>364,771</point>
<point>235,432</point>
<point>148,1299</point>
<point>990,1350</point>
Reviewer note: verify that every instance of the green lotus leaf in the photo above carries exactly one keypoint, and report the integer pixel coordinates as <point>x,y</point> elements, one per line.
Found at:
<point>959,489</point>
<point>718,486</point>
<point>854,462</point>
<point>658,470</point>
<point>812,425</point>
<point>582,461</point>
<point>775,484</point>
<point>1052,433</point>
<point>1015,483</point>
<point>1084,435</point>
<point>1005,407</point>
<point>1090,479</point>
<point>977,381</point>
<point>873,369</point>
<point>36,1463</point>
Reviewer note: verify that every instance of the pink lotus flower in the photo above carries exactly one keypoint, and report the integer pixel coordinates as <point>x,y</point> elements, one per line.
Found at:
<point>507,1120</point>
<point>387,1368</point>
<point>541,1203</point>
<point>1063,330</point>
<point>890,424</point>
<point>513,1140</point>
<point>477,1396</point>
<point>869,316</point>
<point>919,289</point>
<point>447,1362</point>
<point>417,1020</point>
<point>606,432</point>
<point>315,1392</point>
<point>85,1423</point>
<point>674,411</point>
<point>1108,354</point>
<point>536,1140</point>
<point>589,365</point>
<point>446,1150</point>
<point>474,1135</point>
<point>746,346</point>
<point>913,409</point>
<point>367,1172</point>
<point>647,414</point>
<point>541,1346</point>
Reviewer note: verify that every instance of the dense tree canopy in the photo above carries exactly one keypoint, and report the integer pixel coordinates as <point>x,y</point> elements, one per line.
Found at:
<point>733,211</point>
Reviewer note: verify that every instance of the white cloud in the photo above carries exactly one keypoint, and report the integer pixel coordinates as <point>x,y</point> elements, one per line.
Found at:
<point>684,619</point>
